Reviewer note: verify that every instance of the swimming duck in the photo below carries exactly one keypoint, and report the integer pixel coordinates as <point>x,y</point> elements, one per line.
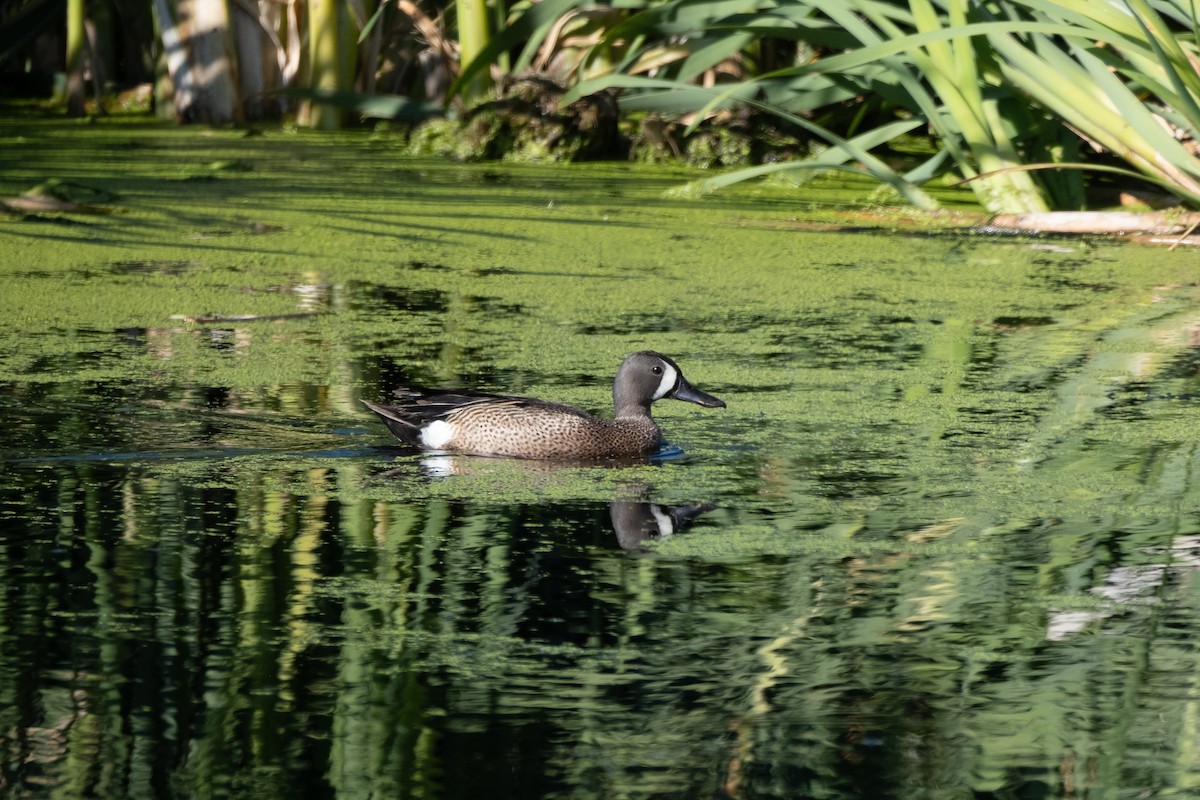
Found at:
<point>522,427</point>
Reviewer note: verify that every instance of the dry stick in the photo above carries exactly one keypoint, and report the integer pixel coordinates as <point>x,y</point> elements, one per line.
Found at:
<point>428,28</point>
<point>1191,228</point>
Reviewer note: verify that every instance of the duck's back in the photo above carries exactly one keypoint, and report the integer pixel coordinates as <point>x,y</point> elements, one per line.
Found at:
<point>536,429</point>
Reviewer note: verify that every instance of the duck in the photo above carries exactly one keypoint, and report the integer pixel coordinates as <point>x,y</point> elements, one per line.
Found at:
<point>524,427</point>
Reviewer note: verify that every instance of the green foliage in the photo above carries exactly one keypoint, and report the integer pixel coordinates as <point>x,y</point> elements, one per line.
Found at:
<point>996,83</point>
<point>524,123</point>
<point>372,106</point>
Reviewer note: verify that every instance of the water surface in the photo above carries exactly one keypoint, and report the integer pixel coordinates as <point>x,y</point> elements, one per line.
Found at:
<point>943,542</point>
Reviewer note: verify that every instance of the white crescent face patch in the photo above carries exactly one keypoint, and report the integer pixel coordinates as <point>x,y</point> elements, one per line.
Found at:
<point>670,375</point>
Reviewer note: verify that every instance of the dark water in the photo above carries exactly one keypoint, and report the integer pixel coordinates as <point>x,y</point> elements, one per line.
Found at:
<point>943,543</point>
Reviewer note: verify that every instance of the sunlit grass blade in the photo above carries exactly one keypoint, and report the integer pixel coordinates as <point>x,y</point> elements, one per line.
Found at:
<point>1181,70</point>
<point>833,158</point>
<point>1087,95</point>
<point>990,81</point>
<point>870,164</point>
<point>529,28</point>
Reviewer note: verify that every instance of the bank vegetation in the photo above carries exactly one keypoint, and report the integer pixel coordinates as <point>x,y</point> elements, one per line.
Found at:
<point>1037,105</point>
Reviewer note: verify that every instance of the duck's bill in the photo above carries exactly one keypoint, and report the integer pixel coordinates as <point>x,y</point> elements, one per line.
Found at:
<point>685,391</point>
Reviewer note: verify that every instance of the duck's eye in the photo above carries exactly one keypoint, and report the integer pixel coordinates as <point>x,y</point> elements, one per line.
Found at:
<point>656,369</point>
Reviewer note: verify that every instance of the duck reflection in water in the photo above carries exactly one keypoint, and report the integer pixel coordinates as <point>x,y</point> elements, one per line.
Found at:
<point>635,520</point>
<point>636,523</point>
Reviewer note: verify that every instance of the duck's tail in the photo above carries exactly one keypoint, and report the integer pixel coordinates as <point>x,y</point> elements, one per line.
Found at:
<point>406,430</point>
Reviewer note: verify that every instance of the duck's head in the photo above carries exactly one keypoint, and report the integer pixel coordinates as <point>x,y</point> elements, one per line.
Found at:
<point>647,376</point>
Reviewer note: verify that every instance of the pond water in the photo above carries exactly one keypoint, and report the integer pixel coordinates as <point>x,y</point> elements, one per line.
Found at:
<point>943,542</point>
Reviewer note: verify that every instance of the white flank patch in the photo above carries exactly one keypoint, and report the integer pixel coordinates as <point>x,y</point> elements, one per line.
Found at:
<point>668,381</point>
<point>665,526</point>
<point>437,434</point>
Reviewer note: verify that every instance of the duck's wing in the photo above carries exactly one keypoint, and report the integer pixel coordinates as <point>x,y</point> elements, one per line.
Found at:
<point>431,404</point>
<point>419,408</point>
